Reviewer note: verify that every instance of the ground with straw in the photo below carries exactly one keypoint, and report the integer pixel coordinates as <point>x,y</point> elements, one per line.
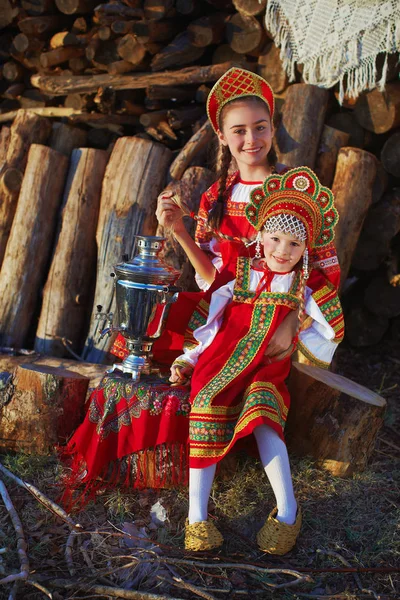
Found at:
<point>349,545</point>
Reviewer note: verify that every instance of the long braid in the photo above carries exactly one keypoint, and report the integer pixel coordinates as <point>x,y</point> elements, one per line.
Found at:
<point>301,297</point>
<point>215,216</point>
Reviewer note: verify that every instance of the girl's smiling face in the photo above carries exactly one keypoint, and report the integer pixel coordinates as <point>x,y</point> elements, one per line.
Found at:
<point>248,131</point>
<point>282,251</point>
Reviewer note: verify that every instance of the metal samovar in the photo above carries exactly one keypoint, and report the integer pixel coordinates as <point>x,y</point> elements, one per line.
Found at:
<point>145,291</point>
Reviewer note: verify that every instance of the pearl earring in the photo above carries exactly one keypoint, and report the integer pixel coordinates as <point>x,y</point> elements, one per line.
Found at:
<point>258,245</point>
<point>305,264</point>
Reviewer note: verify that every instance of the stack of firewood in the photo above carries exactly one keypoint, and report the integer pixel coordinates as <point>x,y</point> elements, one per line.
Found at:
<point>103,105</point>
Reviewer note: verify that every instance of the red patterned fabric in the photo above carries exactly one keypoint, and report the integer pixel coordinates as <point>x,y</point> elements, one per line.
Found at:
<point>134,435</point>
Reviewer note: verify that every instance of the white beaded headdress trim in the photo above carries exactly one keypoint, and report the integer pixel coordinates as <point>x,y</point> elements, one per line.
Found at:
<point>288,224</point>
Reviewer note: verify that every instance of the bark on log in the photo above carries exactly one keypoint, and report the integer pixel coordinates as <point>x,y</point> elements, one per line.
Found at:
<point>76,7</point>
<point>179,52</point>
<point>8,12</point>
<point>333,419</point>
<point>197,142</point>
<point>65,138</point>
<point>364,328</point>
<point>62,39</point>
<point>160,92</point>
<point>31,238</point>
<point>390,154</point>
<point>60,55</point>
<point>243,33</point>
<point>380,184</point>
<point>37,7</point>
<point>45,408</point>
<point>5,133</point>
<point>330,143</point>
<point>352,188</point>
<point>67,296</point>
<point>155,31</point>
<point>348,123</point>
<point>270,67</point>
<point>93,372</point>
<point>62,85</point>
<point>379,111</point>
<point>13,71</point>
<point>26,129</point>
<point>224,53</point>
<point>129,49</point>
<point>298,135</point>
<point>134,177</point>
<point>41,27</point>
<point>381,224</point>
<point>207,30</point>
<point>157,9</point>
<point>193,184</point>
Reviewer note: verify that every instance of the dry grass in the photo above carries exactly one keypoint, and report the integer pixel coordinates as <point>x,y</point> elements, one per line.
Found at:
<point>354,520</point>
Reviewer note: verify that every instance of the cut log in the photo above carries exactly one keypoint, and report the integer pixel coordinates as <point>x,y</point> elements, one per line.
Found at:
<point>179,52</point>
<point>179,118</point>
<point>157,9</point>
<point>352,188</point>
<point>121,66</point>
<point>118,10</point>
<point>390,155</point>
<point>298,135</point>
<point>152,119</point>
<point>381,224</point>
<point>134,177</point>
<point>197,142</point>
<point>63,38</point>
<point>191,186</point>
<point>382,299</point>
<point>270,67</point>
<point>62,85</point>
<point>207,30</point>
<point>37,7</point>
<point>33,99</point>
<point>13,71</point>
<point>31,236</point>
<point>243,33</point>
<point>79,102</point>
<point>60,55</point>
<point>10,180</point>
<point>45,407</point>
<point>364,328</point>
<point>155,31</point>
<point>76,7</point>
<point>68,292</point>
<point>26,129</point>
<point>333,419</point>
<point>179,94</point>
<point>379,111</point>
<point>129,49</point>
<point>250,8</point>
<point>330,143</point>
<point>79,26</point>
<point>8,12</point>
<point>65,138</point>
<point>224,53</point>
<point>41,27</point>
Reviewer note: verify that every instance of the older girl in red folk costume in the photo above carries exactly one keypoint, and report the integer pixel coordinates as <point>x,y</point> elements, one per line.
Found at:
<point>236,391</point>
<point>240,107</point>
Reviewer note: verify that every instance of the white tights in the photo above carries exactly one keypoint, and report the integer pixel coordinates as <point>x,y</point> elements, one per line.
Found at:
<point>275,460</point>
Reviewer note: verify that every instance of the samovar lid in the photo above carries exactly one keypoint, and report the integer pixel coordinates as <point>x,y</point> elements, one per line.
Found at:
<point>147,266</point>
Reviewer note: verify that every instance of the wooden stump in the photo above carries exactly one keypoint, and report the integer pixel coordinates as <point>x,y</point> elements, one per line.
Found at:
<point>30,243</point>
<point>364,328</point>
<point>26,129</point>
<point>332,419</point>
<point>352,188</point>
<point>298,135</point>
<point>194,182</point>
<point>45,407</point>
<point>134,177</point>
<point>67,296</point>
<point>331,142</point>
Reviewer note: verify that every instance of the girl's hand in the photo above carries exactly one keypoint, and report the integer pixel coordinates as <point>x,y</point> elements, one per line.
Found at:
<point>280,344</point>
<point>180,375</point>
<point>168,214</point>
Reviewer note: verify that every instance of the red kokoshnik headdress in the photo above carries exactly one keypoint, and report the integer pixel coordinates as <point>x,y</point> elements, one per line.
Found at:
<point>237,83</point>
<point>298,192</point>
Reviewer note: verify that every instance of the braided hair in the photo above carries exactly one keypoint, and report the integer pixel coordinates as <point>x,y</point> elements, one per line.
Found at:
<point>224,162</point>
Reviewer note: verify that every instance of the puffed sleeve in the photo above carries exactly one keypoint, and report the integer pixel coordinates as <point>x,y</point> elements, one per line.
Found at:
<point>204,335</point>
<point>319,341</point>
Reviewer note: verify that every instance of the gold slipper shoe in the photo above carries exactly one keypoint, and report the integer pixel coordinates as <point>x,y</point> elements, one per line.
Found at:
<point>202,536</point>
<point>276,537</point>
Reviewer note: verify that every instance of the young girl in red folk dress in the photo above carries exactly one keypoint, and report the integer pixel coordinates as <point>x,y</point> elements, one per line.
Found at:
<point>240,107</point>
<point>236,390</point>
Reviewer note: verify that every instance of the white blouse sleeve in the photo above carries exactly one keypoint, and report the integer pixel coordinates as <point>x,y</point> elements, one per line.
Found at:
<point>212,248</point>
<point>205,334</point>
<point>316,342</point>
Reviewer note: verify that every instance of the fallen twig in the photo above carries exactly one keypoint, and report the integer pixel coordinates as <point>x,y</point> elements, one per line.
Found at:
<point>40,587</point>
<point>14,590</point>
<point>49,504</point>
<point>355,575</point>
<point>68,552</point>
<point>115,592</point>
<point>21,542</point>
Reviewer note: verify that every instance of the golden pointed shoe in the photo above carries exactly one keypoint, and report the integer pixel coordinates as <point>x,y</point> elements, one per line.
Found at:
<point>202,536</point>
<point>276,537</point>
